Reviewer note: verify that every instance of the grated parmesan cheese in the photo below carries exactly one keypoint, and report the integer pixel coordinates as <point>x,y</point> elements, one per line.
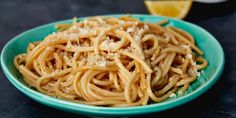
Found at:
<point>130,29</point>
<point>202,72</point>
<point>137,37</point>
<point>107,43</point>
<point>122,22</point>
<point>84,30</point>
<point>172,95</point>
<point>102,63</point>
<point>198,74</point>
<point>185,46</point>
<point>145,27</point>
<point>73,36</point>
<point>53,33</point>
<point>189,56</point>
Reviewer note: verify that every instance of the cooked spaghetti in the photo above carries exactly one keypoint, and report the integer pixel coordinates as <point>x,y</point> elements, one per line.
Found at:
<point>110,61</point>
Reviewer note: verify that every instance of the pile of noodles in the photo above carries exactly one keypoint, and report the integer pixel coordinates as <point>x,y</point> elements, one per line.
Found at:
<point>112,62</point>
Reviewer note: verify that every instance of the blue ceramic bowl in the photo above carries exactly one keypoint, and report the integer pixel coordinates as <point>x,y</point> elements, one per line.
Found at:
<point>212,51</point>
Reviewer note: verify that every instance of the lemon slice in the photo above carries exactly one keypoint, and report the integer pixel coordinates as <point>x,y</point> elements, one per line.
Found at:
<point>174,9</point>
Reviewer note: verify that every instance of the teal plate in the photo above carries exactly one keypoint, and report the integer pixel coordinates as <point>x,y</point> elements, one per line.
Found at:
<point>212,51</point>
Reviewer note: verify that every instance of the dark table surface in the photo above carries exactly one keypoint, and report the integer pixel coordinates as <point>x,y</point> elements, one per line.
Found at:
<point>17,16</point>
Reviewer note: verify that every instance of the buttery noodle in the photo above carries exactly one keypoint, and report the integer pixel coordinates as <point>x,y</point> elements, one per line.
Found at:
<point>112,62</point>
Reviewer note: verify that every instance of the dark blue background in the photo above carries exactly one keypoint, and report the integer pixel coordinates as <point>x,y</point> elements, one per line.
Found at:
<point>17,16</point>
